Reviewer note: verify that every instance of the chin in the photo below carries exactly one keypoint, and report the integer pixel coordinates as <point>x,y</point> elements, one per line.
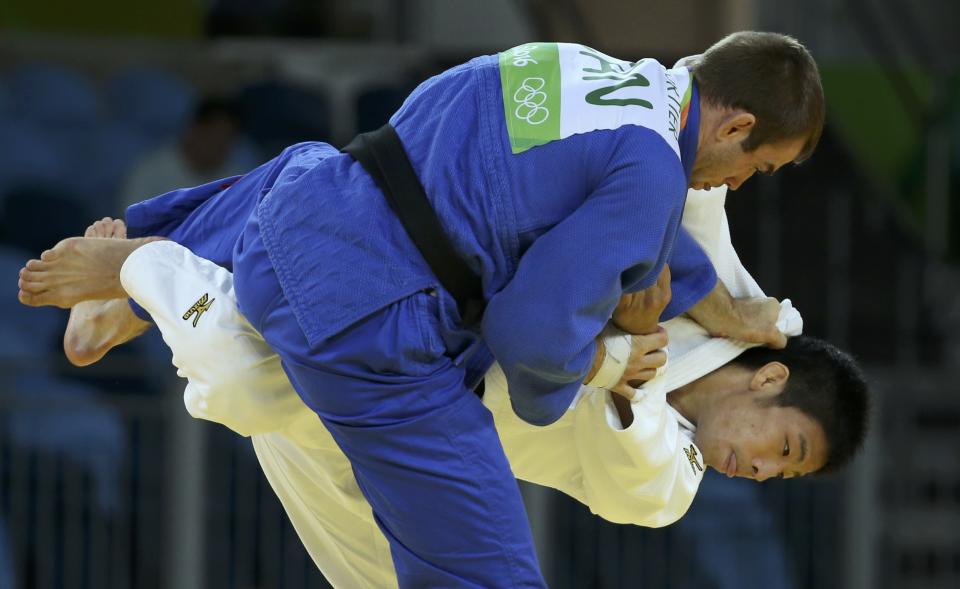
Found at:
<point>708,451</point>
<point>708,460</point>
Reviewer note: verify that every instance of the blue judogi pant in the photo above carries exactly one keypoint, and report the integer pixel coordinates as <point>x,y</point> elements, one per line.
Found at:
<point>423,447</point>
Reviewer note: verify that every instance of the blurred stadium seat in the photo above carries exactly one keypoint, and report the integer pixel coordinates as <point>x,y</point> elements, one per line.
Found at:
<point>71,422</point>
<point>52,94</point>
<point>26,338</point>
<point>6,562</point>
<point>6,102</point>
<point>80,162</point>
<point>29,156</point>
<point>151,101</point>
<point>82,429</point>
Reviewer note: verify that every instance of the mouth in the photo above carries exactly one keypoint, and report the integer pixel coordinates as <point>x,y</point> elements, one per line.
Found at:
<point>730,466</point>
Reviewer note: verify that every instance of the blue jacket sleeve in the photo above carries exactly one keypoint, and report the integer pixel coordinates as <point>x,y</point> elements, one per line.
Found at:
<point>541,327</point>
<point>692,276</point>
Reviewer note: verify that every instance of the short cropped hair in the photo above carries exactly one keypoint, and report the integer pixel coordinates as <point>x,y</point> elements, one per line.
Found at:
<point>827,385</point>
<point>771,76</point>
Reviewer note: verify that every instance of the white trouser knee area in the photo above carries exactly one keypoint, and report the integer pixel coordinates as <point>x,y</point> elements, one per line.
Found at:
<point>234,378</point>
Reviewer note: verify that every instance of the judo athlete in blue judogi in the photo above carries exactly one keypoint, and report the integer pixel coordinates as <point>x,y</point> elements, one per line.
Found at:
<point>558,174</point>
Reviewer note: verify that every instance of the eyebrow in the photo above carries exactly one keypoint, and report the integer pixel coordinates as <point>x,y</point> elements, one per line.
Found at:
<point>803,448</point>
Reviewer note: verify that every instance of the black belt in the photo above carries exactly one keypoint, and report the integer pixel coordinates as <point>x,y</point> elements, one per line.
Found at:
<point>382,155</point>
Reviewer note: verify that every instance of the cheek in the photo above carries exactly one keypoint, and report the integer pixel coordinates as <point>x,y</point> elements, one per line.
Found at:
<point>744,170</point>
<point>745,431</point>
<point>716,436</point>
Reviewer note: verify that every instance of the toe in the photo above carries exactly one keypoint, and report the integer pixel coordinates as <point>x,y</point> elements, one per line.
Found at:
<point>30,286</point>
<point>35,266</point>
<point>40,299</point>
<point>28,298</point>
<point>119,229</point>
<point>28,277</point>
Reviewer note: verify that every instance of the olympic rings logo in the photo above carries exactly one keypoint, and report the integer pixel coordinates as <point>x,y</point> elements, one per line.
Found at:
<point>530,99</point>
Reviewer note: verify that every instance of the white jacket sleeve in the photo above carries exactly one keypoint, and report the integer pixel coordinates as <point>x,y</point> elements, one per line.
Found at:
<point>706,220</point>
<point>646,474</point>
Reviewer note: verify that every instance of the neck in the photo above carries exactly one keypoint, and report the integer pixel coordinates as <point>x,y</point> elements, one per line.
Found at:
<point>694,400</point>
<point>686,400</point>
<point>708,123</point>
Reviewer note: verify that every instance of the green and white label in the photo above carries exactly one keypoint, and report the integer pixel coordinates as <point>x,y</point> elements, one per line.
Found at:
<point>555,90</point>
<point>530,77</point>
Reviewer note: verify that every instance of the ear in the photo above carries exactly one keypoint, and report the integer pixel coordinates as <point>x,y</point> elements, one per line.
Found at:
<point>771,377</point>
<point>736,127</point>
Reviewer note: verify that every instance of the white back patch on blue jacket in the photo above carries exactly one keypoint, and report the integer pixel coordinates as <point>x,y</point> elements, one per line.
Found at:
<point>554,90</point>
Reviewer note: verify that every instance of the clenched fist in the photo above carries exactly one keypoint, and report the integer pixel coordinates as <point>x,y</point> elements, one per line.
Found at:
<point>646,357</point>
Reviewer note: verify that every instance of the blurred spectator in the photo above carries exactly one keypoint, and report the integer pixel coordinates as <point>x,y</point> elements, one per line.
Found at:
<point>203,153</point>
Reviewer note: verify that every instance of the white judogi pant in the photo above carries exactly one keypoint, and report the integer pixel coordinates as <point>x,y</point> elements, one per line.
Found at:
<point>646,474</point>
<point>235,379</point>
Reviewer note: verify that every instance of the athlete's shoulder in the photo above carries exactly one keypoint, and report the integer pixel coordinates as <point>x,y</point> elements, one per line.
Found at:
<point>649,157</point>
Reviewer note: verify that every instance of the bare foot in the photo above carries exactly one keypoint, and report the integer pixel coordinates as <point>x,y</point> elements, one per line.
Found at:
<point>77,269</point>
<point>95,327</point>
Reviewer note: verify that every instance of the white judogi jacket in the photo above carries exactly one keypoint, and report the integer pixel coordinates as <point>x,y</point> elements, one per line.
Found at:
<point>646,474</point>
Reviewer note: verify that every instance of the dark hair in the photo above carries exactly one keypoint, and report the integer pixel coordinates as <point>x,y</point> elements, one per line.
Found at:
<point>213,108</point>
<point>771,76</point>
<point>826,384</point>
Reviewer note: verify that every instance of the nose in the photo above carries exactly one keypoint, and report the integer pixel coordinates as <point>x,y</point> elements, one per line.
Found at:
<point>763,470</point>
<point>736,182</point>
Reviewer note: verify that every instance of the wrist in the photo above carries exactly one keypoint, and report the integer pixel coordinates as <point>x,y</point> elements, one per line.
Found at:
<point>617,346</point>
<point>598,355</point>
<point>715,311</point>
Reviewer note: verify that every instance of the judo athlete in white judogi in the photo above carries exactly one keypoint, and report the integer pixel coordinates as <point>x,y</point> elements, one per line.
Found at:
<point>634,462</point>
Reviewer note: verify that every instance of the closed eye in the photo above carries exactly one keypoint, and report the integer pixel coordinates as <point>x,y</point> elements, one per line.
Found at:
<point>768,171</point>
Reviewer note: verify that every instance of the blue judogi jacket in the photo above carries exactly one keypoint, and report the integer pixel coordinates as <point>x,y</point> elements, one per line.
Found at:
<point>558,232</point>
